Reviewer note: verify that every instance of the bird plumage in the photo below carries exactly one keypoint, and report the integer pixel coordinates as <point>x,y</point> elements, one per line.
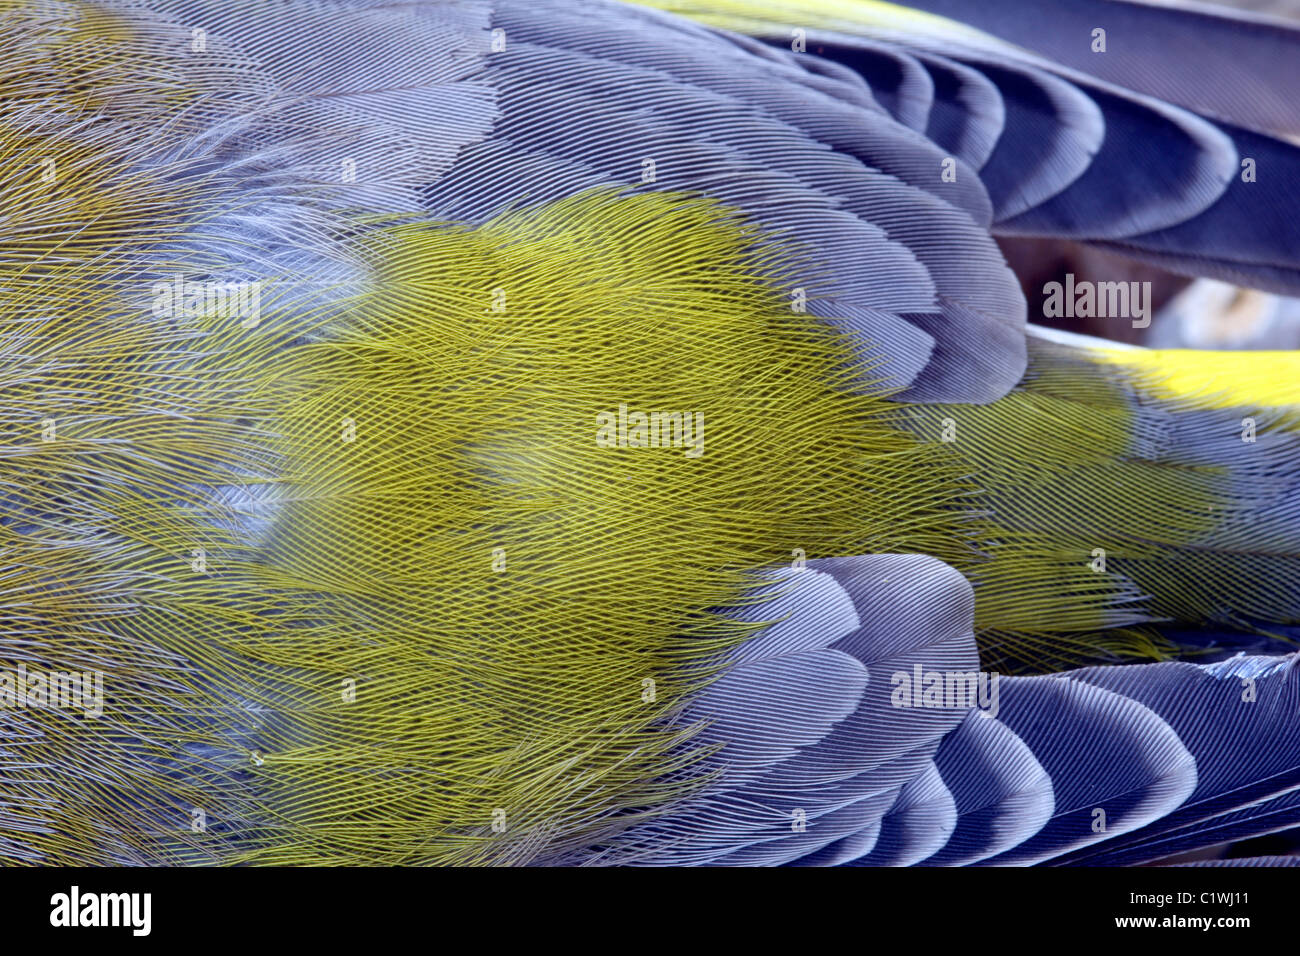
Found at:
<point>313,316</point>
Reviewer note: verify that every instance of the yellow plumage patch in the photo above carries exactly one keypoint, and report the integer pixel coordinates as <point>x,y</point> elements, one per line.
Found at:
<point>536,589</point>
<point>1218,379</point>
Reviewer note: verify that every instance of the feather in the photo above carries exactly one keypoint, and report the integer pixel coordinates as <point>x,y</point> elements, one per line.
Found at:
<point>1237,718</point>
<point>823,199</point>
<point>1155,167</point>
<point>1115,765</point>
<point>968,114</point>
<point>1002,793</point>
<point>1230,65</point>
<point>835,759</point>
